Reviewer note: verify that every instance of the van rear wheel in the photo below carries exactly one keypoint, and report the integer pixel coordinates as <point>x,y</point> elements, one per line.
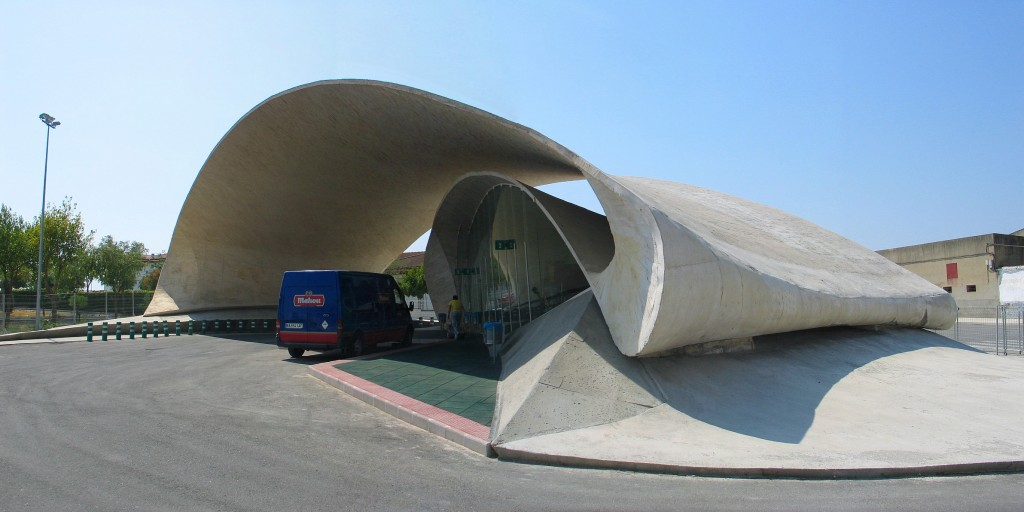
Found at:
<point>357,346</point>
<point>407,340</point>
<point>296,352</point>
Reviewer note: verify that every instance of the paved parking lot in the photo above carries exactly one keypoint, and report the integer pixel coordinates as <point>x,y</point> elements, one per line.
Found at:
<point>203,423</point>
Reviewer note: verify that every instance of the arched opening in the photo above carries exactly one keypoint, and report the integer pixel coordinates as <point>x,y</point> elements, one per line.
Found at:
<point>511,264</point>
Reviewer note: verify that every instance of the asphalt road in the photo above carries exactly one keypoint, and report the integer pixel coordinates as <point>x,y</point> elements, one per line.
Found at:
<point>201,423</point>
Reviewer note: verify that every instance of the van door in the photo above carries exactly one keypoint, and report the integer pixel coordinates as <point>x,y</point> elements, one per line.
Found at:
<point>366,310</point>
<point>294,319</point>
<point>313,314</point>
<point>323,319</point>
<point>396,318</point>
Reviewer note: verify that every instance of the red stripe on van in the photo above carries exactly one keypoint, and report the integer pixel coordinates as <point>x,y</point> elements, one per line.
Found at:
<point>298,337</point>
<point>322,337</point>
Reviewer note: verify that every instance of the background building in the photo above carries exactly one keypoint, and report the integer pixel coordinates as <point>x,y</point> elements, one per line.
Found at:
<point>969,268</point>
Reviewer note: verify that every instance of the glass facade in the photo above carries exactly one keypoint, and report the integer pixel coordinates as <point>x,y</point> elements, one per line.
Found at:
<point>512,265</point>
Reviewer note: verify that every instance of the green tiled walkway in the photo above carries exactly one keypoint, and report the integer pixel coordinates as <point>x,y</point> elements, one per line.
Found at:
<point>458,377</point>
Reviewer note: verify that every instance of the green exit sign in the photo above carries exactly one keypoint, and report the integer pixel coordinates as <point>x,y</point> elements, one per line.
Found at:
<point>504,245</point>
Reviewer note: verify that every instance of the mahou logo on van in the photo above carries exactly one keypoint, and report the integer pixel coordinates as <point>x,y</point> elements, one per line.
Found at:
<point>308,300</point>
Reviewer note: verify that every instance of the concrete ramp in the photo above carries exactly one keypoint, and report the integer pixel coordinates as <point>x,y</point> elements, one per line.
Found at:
<point>820,403</point>
<point>564,373</point>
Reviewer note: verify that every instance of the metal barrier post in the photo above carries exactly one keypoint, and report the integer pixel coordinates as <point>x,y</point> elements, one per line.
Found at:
<point>956,326</point>
<point>177,327</point>
<point>145,325</point>
<point>191,331</point>
<point>88,332</point>
<point>1001,316</point>
<point>202,327</point>
<point>131,330</point>
<point>1020,330</point>
<point>216,325</point>
<point>117,331</point>
<point>166,330</point>
<point>104,331</point>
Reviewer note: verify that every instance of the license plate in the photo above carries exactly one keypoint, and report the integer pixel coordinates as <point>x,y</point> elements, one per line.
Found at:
<point>293,325</point>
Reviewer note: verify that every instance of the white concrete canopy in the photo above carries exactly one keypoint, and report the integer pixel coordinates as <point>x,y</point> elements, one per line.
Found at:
<point>347,173</point>
<point>334,174</point>
<point>835,402</point>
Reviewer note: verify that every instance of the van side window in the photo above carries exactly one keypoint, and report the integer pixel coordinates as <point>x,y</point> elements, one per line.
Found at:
<point>365,292</point>
<point>348,294</point>
<point>390,297</point>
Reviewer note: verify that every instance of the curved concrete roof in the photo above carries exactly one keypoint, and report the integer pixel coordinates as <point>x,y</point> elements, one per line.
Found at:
<point>341,173</point>
<point>346,174</point>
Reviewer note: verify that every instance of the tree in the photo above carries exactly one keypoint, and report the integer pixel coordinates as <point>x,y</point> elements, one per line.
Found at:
<point>87,268</point>
<point>65,241</point>
<point>119,263</point>
<point>150,280</point>
<point>15,254</point>
<point>413,283</point>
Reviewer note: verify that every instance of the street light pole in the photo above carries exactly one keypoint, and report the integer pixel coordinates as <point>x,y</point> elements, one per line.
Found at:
<point>50,123</point>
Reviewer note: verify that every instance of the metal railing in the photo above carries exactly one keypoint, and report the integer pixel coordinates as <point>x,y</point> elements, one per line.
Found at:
<point>1010,328</point>
<point>998,330</point>
<point>18,310</point>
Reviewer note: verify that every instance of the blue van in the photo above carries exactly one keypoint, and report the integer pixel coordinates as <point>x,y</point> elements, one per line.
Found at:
<point>340,309</point>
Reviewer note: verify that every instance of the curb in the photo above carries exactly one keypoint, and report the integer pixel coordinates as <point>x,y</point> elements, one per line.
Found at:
<point>68,331</point>
<point>437,421</point>
<point>40,341</point>
<point>964,469</point>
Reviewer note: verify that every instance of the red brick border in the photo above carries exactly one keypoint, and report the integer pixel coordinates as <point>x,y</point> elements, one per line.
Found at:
<point>453,427</point>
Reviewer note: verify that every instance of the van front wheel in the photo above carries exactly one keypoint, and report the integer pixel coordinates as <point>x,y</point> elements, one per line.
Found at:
<point>407,340</point>
<point>295,352</point>
<point>357,346</point>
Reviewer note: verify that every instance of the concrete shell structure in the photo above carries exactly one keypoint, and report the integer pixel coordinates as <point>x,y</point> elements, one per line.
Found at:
<point>348,173</point>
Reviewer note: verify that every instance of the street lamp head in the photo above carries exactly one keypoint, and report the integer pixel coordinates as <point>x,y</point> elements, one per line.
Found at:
<point>49,120</point>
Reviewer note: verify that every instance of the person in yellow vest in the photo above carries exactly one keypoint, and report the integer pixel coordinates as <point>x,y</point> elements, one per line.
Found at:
<point>454,317</point>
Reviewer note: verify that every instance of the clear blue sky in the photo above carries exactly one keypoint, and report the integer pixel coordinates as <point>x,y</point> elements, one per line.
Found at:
<point>891,123</point>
